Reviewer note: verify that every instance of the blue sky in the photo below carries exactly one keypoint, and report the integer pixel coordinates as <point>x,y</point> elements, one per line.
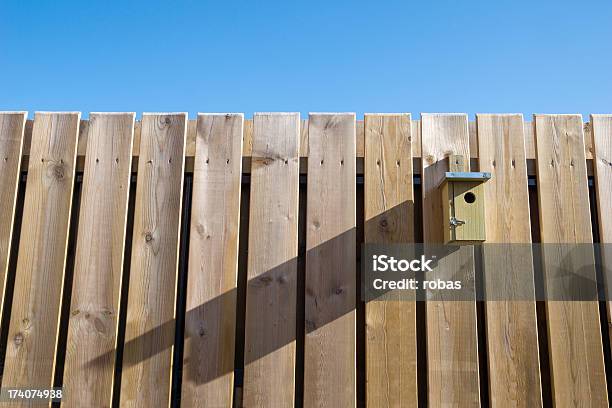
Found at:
<point>374,56</point>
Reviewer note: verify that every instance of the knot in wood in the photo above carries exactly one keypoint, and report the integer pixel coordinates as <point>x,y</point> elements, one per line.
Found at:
<point>266,280</point>
<point>266,161</point>
<point>148,237</point>
<point>26,324</point>
<point>200,229</point>
<point>310,325</point>
<point>58,171</point>
<point>99,325</point>
<point>18,339</point>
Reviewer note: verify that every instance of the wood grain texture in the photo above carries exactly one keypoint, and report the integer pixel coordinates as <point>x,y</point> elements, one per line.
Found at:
<point>575,345</point>
<point>269,373</point>
<point>391,360</point>
<point>452,350</point>
<point>602,150</point>
<point>92,329</point>
<point>415,133</point>
<point>150,324</point>
<point>12,127</point>
<point>304,138</point>
<point>329,360</point>
<point>30,353</point>
<point>208,362</point>
<point>512,333</point>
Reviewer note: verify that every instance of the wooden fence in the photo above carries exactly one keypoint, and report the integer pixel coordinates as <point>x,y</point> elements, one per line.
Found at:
<point>216,262</point>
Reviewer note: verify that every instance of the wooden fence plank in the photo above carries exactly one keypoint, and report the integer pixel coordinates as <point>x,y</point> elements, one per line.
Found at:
<point>12,127</point>
<point>208,373</point>
<point>329,361</point>
<point>452,350</point>
<point>512,333</point>
<point>30,353</point>
<point>269,374</point>
<point>575,345</point>
<point>391,360</point>
<point>602,145</point>
<point>98,269</point>
<point>150,324</point>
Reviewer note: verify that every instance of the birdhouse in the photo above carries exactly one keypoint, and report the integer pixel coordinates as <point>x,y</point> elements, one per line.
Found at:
<point>463,206</point>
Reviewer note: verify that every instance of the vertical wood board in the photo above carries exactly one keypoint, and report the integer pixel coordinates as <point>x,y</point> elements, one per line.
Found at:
<point>149,337</point>
<point>329,360</point>
<point>391,360</point>
<point>39,279</point>
<point>452,349</point>
<point>574,334</point>
<point>208,362</point>
<point>269,376</point>
<point>12,127</point>
<point>602,151</point>
<point>512,333</point>
<point>92,329</point>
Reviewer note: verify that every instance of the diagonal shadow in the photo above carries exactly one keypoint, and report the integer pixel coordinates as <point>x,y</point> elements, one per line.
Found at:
<point>208,330</point>
<point>279,282</point>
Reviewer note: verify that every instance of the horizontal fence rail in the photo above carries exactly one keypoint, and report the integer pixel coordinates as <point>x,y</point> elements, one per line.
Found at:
<point>217,261</point>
